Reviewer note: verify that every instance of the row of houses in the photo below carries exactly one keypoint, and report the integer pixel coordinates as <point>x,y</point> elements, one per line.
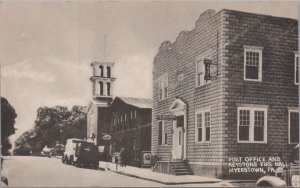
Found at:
<point>228,88</point>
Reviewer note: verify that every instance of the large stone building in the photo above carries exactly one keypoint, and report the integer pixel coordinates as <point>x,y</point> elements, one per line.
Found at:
<point>126,122</point>
<point>228,88</point>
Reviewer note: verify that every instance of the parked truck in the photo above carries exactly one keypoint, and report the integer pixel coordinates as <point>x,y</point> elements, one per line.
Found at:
<point>81,153</point>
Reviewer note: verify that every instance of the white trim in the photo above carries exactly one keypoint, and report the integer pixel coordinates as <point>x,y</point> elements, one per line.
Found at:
<point>289,127</point>
<point>248,47</point>
<point>295,73</point>
<point>180,107</point>
<point>256,50</point>
<point>178,111</point>
<point>251,125</point>
<point>202,112</point>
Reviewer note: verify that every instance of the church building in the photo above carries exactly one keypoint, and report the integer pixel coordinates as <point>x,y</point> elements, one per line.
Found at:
<point>114,123</point>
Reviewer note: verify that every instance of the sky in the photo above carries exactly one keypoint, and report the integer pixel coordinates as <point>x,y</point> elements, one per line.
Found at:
<point>46,48</point>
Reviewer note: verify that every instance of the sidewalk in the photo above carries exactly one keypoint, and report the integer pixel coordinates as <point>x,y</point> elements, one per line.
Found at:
<point>147,174</point>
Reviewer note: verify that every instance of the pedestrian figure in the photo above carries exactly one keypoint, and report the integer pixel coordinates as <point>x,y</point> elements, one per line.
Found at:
<point>116,161</point>
<point>123,157</point>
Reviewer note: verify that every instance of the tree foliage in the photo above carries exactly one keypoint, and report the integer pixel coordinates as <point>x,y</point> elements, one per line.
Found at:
<point>8,116</point>
<point>52,125</point>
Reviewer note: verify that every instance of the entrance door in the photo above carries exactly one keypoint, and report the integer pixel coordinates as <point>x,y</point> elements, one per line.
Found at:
<point>178,137</point>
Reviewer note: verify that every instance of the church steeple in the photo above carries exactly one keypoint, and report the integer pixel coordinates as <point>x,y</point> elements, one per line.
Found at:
<point>102,81</point>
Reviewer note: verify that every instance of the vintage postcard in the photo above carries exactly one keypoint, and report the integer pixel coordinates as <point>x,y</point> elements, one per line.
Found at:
<point>149,93</point>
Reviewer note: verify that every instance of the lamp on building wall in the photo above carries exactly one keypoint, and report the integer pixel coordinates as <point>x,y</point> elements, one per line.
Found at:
<point>207,64</point>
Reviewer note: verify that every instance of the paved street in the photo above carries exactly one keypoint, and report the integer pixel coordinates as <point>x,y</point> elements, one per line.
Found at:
<point>50,172</point>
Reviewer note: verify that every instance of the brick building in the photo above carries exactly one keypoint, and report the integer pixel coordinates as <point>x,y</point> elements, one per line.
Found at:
<point>131,127</point>
<point>126,120</point>
<point>243,102</point>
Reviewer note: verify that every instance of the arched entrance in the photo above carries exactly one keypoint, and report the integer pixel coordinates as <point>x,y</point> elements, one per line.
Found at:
<point>178,108</point>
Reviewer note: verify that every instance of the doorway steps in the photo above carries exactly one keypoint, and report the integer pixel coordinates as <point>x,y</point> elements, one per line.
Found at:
<point>177,167</point>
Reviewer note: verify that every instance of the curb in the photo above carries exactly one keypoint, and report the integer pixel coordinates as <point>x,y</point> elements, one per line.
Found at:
<point>241,181</point>
<point>162,182</point>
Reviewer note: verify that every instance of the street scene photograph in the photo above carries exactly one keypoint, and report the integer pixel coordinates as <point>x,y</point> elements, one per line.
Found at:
<point>149,93</point>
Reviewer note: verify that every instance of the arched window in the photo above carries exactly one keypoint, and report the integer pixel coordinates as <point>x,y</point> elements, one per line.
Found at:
<point>101,88</point>
<point>108,71</point>
<point>101,70</point>
<point>108,88</point>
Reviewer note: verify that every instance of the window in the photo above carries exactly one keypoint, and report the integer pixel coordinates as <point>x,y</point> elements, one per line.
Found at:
<point>252,125</point>
<point>166,138</point>
<point>202,133</point>
<point>252,63</point>
<point>162,136</point>
<point>131,114</point>
<point>108,72</point>
<point>108,88</point>
<point>163,91</point>
<point>200,73</point>
<point>101,70</point>
<point>179,121</point>
<point>101,88</point>
<point>296,73</point>
<point>293,126</point>
<point>125,118</point>
<point>135,114</point>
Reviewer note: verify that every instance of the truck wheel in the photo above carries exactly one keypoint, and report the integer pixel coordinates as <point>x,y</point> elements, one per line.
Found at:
<point>67,160</point>
<point>77,163</point>
<point>95,166</point>
<point>71,160</point>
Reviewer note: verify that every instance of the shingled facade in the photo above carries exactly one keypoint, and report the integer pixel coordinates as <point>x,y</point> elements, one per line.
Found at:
<point>249,106</point>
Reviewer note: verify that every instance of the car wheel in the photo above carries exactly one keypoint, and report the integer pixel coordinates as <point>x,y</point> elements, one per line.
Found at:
<point>95,166</point>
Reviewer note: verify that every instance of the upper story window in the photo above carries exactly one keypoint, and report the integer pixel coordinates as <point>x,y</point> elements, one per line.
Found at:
<point>108,72</point>
<point>293,126</point>
<point>163,87</point>
<point>101,70</point>
<point>296,73</point>
<point>200,73</point>
<point>202,133</point>
<point>101,87</point>
<point>252,63</point>
<point>252,125</point>
<point>108,88</point>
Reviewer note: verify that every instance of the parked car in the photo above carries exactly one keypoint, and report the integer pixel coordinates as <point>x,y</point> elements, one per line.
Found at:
<point>47,151</point>
<point>81,153</point>
<point>287,175</point>
<point>22,151</point>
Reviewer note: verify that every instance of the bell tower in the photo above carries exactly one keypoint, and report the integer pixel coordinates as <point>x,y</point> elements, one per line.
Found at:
<point>102,81</point>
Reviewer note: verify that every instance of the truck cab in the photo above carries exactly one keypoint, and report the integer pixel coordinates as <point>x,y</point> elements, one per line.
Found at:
<point>81,153</point>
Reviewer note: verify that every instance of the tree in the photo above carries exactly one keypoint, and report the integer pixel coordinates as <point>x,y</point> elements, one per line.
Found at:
<point>8,116</point>
<point>54,124</point>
